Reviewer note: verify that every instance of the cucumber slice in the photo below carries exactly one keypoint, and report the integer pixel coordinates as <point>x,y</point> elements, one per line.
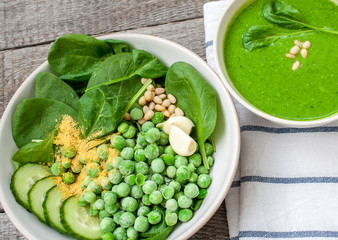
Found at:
<point>24,178</point>
<point>51,207</point>
<point>78,222</point>
<point>37,194</point>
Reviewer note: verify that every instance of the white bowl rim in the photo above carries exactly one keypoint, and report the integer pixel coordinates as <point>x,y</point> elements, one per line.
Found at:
<point>237,96</point>
<point>237,139</point>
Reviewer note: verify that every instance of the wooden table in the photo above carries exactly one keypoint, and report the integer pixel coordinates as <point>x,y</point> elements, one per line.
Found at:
<point>29,27</point>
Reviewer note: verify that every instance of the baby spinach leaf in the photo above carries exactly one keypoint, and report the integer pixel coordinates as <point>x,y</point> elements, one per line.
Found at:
<point>259,36</point>
<point>123,66</point>
<point>119,46</point>
<point>163,235</point>
<point>50,86</point>
<point>36,118</point>
<point>76,56</point>
<point>196,98</point>
<point>36,152</point>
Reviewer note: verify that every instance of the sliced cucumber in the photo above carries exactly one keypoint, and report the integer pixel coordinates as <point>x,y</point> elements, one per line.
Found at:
<point>24,178</point>
<point>78,222</point>
<point>51,207</point>
<point>37,194</point>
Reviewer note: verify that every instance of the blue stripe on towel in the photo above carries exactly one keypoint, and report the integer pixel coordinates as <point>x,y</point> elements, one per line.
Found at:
<point>254,128</point>
<point>294,234</point>
<point>209,43</point>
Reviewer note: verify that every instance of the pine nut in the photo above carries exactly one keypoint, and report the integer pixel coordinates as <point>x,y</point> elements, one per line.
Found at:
<point>145,109</point>
<point>298,43</point>
<point>159,91</point>
<point>150,88</point>
<point>166,113</point>
<point>126,117</point>
<point>172,98</point>
<point>157,100</point>
<point>141,121</point>
<point>166,103</point>
<point>304,52</point>
<point>151,105</point>
<point>307,44</point>
<point>171,109</point>
<point>295,65</point>
<point>289,55</point>
<point>142,101</point>
<point>179,112</point>
<point>152,95</point>
<point>159,108</point>
<point>148,115</point>
<point>144,80</point>
<point>294,50</point>
<point>148,96</point>
<point>172,115</point>
<point>157,85</point>
<point>162,96</point>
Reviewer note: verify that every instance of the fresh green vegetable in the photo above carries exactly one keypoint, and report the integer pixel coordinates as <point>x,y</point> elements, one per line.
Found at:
<point>118,46</point>
<point>196,97</point>
<point>36,152</point>
<point>50,86</point>
<point>36,118</point>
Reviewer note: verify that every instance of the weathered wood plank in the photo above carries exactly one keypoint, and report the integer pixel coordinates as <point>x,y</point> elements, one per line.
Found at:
<point>31,22</point>
<point>216,228</point>
<point>17,64</point>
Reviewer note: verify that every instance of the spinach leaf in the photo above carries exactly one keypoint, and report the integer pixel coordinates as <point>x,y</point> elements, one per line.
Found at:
<point>196,98</point>
<point>36,118</point>
<point>155,229</point>
<point>163,235</point>
<point>78,87</point>
<point>50,86</point>
<point>124,66</point>
<point>36,152</point>
<point>119,46</point>
<point>76,56</point>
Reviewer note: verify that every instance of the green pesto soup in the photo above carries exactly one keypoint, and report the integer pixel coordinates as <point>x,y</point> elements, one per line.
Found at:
<point>265,77</point>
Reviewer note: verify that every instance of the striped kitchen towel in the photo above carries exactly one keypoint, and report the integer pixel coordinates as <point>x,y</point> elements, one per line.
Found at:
<point>286,186</point>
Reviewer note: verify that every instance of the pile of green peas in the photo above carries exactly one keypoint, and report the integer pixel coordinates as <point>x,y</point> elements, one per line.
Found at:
<point>147,184</point>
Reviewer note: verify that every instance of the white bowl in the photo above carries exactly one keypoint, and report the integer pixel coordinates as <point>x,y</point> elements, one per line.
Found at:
<point>226,137</point>
<point>226,19</point>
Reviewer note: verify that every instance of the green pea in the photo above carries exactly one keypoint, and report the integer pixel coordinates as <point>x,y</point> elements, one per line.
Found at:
<point>155,197</point>
<point>196,159</point>
<point>211,161</point>
<point>204,180</point>
<point>132,233</point>
<point>171,205</point>
<point>86,181</point>
<point>68,151</point>
<point>108,236</point>
<point>147,126</point>
<point>136,114</point>
<point>141,141</point>
<point>136,192</point>
<point>139,155</point>
<point>202,194</point>
<point>175,185</point>
<point>151,151</point>
<point>168,192</point>
<point>123,189</point>
<point>157,165</point>
<point>152,135</point>
<point>157,178</point>
<point>106,184</point>
<point>118,141</point>
<point>93,212</point>
<point>127,219</point>
<point>66,162</point>
<point>191,167</point>
<point>112,209</point>
<point>104,213</point>
<point>182,174</point>
<point>140,178</point>
<point>110,198</point>
<point>129,204</point>
<point>130,179</point>
<point>157,118</point>
<point>84,160</point>
<point>168,159</point>
<point>164,139</point>
<point>82,202</point>
<point>161,150</point>
<point>115,177</point>
<point>154,217</point>
<point>177,195</point>
<point>180,161</point>
<point>184,201</point>
<point>93,169</point>
<point>123,127</point>
<point>116,162</point>
<point>130,143</point>
<point>171,219</point>
<point>184,215</point>
<point>141,167</point>
<point>120,233</point>
<point>103,151</point>
<point>171,171</point>
<point>57,169</point>
<point>130,132</point>
<point>209,150</point>
<point>127,167</point>
<point>202,170</point>
<point>169,150</point>
<point>191,190</point>
<point>143,211</point>
<point>145,200</point>
<point>127,153</point>
<point>90,197</point>
<point>94,187</point>
<point>99,204</point>
<point>68,178</point>
<point>76,168</point>
<point>117,216</point>
<point>149,186</point>
<point>96,159</point>
<point>141,224</point>
<point>193,177</point>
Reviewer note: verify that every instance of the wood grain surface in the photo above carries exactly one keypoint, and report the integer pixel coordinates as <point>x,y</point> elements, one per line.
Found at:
<point>29,27</point>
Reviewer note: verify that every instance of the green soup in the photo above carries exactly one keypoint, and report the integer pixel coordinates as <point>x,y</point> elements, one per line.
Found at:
<point>264,76</point>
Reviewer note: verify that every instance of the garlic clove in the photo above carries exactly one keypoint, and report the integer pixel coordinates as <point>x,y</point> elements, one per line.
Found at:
<point>181,142</point>
<point>180,121</point>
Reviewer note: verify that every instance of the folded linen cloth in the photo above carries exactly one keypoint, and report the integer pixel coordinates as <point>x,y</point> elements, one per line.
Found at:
<point>286,186</point>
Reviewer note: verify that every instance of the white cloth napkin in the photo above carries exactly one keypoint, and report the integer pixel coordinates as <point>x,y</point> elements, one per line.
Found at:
<point>286,186</point>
